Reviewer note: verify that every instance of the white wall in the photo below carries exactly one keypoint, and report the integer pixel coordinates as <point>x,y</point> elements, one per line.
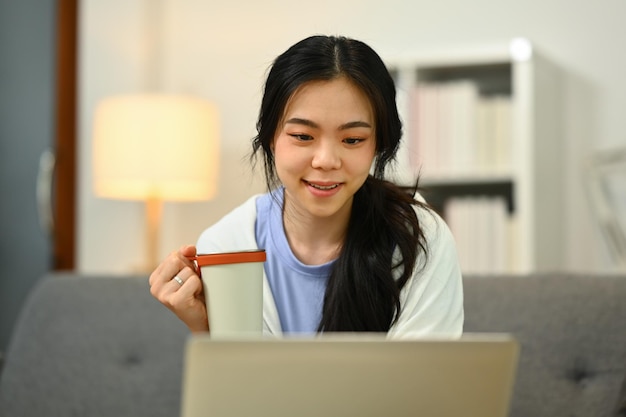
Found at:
<point>221,50</point>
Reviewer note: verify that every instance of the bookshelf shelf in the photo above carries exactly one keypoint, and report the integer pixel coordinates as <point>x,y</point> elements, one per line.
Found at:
<point>469,179</point>
<point>482,131</point>
<point>438,194</point>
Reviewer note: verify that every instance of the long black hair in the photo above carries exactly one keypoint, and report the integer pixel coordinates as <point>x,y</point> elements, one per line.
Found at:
<point>384,236</point>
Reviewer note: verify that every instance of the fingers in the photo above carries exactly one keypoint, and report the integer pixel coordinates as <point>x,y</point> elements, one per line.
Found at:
<point>187,301</point>
<point>172,265</point>
<point>186,295</point>
<point>176,284</point>
<point>179,280</point>
<point>170,290</point>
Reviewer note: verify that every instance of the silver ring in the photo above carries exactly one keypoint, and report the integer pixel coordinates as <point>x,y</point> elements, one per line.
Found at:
<point>177,279</point>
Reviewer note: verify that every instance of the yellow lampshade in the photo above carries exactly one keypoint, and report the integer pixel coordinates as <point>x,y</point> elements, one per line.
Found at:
<point>156,147</point>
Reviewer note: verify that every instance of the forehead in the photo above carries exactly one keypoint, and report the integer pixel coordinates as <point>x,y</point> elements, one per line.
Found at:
<point>339,97</point>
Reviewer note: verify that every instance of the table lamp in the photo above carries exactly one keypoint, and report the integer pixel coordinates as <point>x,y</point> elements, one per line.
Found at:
<point>155,148</point>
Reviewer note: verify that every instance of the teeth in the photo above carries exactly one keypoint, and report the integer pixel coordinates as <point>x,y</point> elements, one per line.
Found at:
<point>324,188</point>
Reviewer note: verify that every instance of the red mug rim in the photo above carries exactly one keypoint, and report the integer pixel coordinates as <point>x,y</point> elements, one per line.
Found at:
<point>223,258</point>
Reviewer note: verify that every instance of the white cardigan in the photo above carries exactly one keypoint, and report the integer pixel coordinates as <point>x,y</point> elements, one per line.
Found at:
<point>432,299</point>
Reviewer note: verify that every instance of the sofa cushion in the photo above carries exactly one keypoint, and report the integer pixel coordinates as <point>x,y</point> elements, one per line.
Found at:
<point>102,346</point>
<point>93,346</point>
<point>572,332</point>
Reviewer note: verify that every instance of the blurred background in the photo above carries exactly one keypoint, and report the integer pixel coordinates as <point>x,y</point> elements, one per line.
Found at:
<point>59,59</point>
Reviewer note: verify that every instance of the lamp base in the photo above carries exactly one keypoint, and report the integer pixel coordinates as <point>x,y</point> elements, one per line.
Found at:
<point>154,209</point>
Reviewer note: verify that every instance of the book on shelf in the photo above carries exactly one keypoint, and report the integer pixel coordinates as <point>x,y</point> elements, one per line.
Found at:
<point>484,232</point>
<point>457,131</point>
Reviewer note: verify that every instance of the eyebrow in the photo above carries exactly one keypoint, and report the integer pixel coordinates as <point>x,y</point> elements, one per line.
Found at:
<point>310,123</point>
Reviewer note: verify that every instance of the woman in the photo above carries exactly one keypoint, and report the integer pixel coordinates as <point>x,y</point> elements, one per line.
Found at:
<point>346,250</point>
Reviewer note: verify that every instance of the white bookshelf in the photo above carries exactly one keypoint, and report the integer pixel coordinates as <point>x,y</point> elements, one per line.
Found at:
<point>482,129</point>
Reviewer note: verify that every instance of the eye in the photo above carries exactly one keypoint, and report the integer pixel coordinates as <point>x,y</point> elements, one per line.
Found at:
<point>301,136</point>
<point>353,141</point>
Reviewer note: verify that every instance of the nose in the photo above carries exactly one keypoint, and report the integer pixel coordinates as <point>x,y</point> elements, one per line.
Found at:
<point>327,155</point>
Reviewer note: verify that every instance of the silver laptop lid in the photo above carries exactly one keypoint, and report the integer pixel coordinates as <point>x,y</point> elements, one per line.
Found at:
<point>349,375</point>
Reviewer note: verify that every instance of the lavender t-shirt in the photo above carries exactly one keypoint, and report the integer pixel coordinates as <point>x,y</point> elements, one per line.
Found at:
<point>298,289</point>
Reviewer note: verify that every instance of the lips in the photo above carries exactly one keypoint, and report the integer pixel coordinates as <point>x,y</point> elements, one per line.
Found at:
<point>323,186</point>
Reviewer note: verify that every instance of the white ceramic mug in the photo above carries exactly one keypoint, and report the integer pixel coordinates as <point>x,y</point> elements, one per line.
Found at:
<point>233,288</point>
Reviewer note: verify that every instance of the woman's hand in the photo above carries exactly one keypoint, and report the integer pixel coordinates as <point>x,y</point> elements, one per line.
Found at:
<point>176,284</point>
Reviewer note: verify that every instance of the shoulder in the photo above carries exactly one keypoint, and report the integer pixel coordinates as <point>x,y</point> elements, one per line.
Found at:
<point>234,231</point>
<point>435,229</point>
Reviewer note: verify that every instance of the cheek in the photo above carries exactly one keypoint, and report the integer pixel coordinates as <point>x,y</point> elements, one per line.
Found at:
<point>285,160</point>
<point>366,159</point>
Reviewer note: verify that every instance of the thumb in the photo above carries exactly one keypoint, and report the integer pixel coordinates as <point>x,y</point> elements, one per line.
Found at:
<point>188,251</point>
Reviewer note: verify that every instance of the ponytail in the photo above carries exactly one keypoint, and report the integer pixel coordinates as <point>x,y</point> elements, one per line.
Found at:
<point>363,291</point>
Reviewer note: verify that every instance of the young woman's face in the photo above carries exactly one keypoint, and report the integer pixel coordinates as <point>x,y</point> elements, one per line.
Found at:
<point>324,147</point>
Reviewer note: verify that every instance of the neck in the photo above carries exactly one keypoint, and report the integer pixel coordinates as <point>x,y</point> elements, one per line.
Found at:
<point>314,240</point>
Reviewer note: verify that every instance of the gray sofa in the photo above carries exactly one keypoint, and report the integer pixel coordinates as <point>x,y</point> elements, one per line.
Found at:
<point>102,346</point>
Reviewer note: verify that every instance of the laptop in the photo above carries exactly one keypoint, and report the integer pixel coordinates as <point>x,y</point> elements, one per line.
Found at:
<point>349,375</point>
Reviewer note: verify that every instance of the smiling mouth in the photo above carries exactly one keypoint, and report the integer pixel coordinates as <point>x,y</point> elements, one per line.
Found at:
<point>322,187</point>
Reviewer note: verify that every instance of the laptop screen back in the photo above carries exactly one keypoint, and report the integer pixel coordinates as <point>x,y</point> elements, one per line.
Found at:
<point>346,375</point>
